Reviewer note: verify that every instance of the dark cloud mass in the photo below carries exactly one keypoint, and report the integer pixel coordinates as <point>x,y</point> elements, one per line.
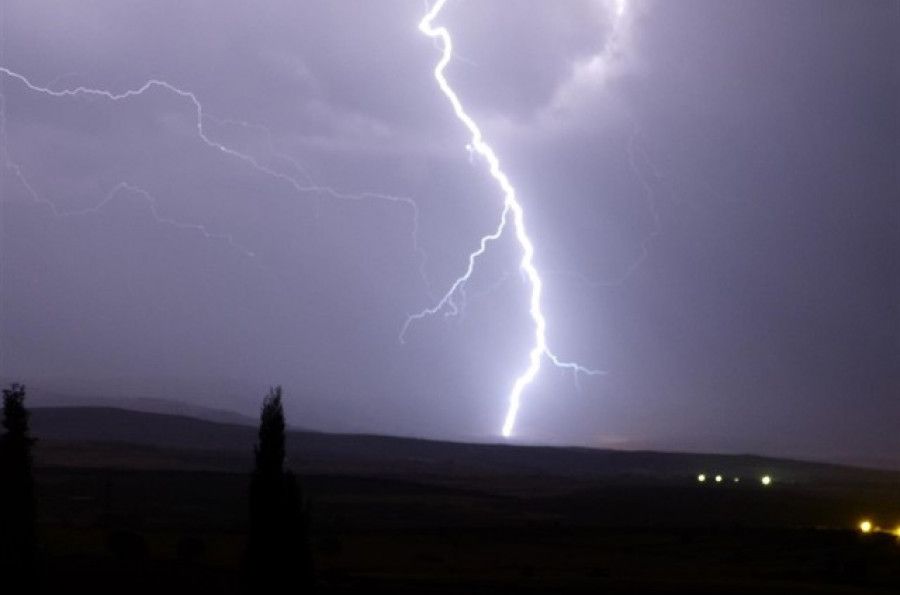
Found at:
<point>713,188</point>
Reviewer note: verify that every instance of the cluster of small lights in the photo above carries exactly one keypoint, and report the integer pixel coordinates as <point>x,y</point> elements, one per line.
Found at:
<point>764,480</point>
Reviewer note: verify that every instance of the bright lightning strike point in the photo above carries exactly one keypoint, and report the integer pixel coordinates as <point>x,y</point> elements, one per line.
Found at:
<point>511,206</point>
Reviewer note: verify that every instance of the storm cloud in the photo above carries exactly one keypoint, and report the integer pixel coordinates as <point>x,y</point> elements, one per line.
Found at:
<point>713,189</point>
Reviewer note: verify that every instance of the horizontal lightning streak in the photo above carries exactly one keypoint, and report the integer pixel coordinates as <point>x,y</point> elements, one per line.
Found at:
<point>201,117</point>
<point>110,196</point>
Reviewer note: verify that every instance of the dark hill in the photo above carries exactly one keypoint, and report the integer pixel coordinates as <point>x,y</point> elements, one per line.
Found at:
<point>119,430</point>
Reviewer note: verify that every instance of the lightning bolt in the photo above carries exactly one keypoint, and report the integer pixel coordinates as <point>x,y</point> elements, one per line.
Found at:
<point>200,117</point>
<point>511,215</point>
<point>115,191</point>
<point>512,212</point>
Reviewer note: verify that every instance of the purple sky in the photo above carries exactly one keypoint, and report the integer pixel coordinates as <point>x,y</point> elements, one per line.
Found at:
<point>713,189</point>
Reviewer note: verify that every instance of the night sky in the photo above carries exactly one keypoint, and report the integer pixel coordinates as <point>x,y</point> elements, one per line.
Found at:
<point>712,188</point>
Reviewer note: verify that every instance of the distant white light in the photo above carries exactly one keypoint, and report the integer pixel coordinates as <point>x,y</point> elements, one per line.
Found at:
<point>766,480</point>
<point>701,478</point>
<point>866,526</point>
<point>737,480</point>
<point>718,479</point>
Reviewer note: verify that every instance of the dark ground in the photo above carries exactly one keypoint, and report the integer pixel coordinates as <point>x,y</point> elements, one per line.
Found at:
<point>406,516</point>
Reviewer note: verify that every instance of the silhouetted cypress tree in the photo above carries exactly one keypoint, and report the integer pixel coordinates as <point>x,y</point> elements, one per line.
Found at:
<point>278,553</point>
<point>17,504</point>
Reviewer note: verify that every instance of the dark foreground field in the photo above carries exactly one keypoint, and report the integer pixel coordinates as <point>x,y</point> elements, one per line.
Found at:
<point>166,513</point>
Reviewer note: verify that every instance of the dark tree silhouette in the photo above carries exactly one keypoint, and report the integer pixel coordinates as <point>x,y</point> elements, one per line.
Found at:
<point>17,503</point>
<point>278,552</point>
